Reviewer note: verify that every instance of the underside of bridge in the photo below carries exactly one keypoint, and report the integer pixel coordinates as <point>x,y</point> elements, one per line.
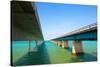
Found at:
<point>25,24</point>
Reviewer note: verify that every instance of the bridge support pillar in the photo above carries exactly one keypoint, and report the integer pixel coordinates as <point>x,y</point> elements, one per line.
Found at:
<point>54,41</point>
<point>77,47</point>
<point>59,43</point>
<point>64,44</point>
<point>30,48</point>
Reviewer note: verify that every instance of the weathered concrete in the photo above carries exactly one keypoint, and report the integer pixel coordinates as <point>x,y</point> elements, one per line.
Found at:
<point>64,44</point>
<point>59,43</point>
<point>77,47</point>
<point>55,41</point>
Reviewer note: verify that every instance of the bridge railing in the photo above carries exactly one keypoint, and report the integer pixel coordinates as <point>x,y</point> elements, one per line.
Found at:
<point>93,25</point>
<point>84,28</point>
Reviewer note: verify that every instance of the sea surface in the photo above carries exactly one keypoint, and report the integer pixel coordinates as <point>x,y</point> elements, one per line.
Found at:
<point>55,53</point>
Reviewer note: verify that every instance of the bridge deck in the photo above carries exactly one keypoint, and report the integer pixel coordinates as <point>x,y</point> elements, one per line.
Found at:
<point>89,28</point>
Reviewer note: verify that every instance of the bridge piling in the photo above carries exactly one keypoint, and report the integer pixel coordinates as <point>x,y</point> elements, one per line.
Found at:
<point>30,48</point>
<point>54,41</point>
<point>77,47</point>
<point>64,44</point>
<point>59,43</point>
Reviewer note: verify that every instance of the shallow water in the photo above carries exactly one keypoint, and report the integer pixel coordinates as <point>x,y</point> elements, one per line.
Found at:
<point>55,53</point>
<point>20,48</point>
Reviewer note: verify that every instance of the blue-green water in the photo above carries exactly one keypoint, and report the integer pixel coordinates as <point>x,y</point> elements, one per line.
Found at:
<point>20,48</point>
<point>55,53</point>
<point>88,46</point>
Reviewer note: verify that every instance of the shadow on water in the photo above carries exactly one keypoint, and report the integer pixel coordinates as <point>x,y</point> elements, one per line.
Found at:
<point>47,50</point>
<point>69,49</point>
<point>34,58</point>
<point>83,58</point>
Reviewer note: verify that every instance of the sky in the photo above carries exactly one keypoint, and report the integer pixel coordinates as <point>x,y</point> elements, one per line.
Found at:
<point>57,19</point>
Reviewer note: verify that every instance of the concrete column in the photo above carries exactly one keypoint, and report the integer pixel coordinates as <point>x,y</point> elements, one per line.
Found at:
<point>38,43</point>
<point>54,41</point>
<point>59,43</point>
<point>77,47</point>
<point>29,48</point>
<point>64,44</point>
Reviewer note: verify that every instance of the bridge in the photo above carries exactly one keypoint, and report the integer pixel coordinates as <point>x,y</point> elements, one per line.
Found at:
<point>25,26</point>
<point>88,32</point>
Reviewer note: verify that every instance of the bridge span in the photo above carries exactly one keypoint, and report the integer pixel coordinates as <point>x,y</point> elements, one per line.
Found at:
<point>88,32</point>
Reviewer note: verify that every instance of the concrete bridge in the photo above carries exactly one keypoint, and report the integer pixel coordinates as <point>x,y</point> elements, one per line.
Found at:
<point>88,32</point>
<point>25,26</point>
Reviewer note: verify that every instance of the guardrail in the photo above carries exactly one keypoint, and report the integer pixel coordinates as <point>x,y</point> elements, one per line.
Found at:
<point>83,28</point>
<point>93,25</point>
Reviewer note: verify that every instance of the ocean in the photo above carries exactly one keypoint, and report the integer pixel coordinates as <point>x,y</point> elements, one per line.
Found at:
<point>56,54</point>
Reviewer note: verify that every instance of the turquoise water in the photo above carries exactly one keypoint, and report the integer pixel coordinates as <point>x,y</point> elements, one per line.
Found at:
<point>59,55</point>
<point>88,46</point>
<point>54,53</point>
<point>20,48</point>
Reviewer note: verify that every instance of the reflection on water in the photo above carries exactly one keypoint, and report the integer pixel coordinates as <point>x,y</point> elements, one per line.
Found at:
<point>55,53</point>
